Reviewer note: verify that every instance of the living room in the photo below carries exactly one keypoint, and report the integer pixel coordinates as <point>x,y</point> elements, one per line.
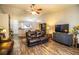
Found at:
<point>39,29</point>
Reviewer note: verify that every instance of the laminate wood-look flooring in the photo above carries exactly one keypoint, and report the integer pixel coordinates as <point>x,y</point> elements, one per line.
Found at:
<point>50,48</point>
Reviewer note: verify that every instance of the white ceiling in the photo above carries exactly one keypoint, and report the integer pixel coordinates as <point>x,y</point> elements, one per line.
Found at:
<point>22,8</point>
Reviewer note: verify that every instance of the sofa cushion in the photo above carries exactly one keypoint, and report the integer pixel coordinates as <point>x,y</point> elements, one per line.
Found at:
<point>34,40</point>
<point>39,33</point>
<point>31,34</point>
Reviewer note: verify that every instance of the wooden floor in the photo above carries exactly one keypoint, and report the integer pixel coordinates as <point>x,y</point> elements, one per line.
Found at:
<point>50,48</point>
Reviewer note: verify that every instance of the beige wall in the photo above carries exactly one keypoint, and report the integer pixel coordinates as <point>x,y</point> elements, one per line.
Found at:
<point>4,22</point>
<point>69,16</point>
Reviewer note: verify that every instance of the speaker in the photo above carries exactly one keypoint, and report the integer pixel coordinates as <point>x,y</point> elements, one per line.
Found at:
<point>43,27</point>
<point>0,38</point>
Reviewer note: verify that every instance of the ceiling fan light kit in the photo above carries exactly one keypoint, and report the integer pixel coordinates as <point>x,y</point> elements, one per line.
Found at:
<point>35,11</point>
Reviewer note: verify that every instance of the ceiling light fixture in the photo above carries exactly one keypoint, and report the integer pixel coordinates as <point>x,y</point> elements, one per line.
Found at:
<point>35,11</point>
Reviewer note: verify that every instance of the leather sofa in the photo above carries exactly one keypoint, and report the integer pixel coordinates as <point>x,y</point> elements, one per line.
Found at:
<point>36,38</point>
<point>63,38</point>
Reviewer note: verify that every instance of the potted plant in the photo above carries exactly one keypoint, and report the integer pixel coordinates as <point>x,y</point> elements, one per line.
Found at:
<point>75,32</point>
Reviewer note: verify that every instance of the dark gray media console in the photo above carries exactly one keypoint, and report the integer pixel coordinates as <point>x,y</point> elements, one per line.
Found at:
<point>64,38</point>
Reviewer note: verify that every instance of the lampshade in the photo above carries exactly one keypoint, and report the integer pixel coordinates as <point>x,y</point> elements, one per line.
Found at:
<point>4,30</point>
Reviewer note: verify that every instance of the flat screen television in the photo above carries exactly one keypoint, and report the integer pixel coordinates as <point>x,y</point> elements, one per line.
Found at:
<point>62,28</point>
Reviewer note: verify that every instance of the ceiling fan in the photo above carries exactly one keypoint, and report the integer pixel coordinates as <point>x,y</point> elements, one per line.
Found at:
<point>34,10</point>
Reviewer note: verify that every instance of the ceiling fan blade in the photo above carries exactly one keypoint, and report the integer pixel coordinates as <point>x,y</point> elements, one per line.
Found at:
<point>39,9</point>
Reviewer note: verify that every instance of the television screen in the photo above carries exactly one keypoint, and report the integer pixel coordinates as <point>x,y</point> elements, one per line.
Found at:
<point>62,28</point>
<point>58,28</point>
